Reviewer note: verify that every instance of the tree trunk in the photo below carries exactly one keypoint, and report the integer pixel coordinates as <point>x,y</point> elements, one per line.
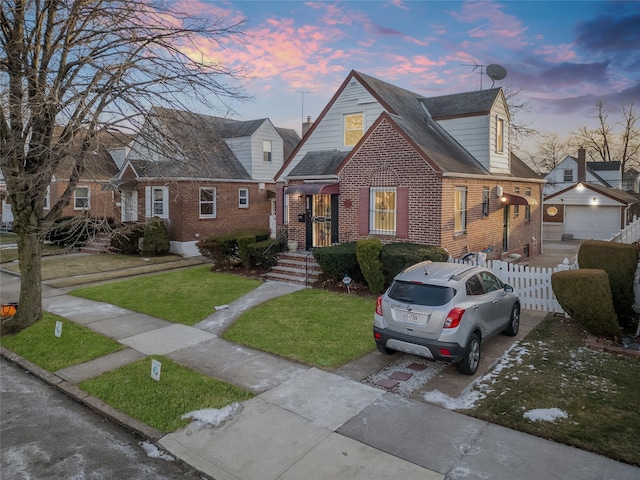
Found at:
<point>29,311</point>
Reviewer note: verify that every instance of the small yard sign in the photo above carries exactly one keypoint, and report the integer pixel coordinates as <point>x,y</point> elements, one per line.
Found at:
<point>156,367</point>
<point>58,331</point>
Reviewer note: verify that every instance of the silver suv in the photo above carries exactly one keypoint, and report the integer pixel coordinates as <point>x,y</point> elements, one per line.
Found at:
<point>444,311</point>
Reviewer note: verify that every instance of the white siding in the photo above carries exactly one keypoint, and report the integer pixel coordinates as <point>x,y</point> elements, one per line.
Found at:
<point>260,169</point>
<point>472,133</point>
<point>328,134</point>
<point>241,148</point>
<point>477,135</point>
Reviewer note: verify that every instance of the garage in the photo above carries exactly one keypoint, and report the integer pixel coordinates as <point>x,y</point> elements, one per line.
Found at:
<point>591,222</point>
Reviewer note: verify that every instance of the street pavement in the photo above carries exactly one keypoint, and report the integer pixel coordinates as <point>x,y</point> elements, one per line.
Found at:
<point>305,422</point>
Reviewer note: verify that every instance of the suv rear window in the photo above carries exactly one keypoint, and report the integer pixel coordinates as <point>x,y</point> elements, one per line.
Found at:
<point>420,293</point>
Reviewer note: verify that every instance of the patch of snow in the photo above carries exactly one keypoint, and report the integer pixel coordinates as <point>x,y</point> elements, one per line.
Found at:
<point>213,416</point>
<point>463,402</point>
<point>545,414</point>
<point>154,452</point>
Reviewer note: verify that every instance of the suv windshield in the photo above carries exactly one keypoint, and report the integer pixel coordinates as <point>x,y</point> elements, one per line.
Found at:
<point>420,293</point>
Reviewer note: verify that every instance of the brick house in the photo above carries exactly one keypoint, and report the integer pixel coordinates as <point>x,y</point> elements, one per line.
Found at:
<point>93,195</point>
<point>202,174</point>
<point>384,162</point>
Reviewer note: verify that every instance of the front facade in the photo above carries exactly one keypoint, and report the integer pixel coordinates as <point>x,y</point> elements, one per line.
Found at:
<point>219,179</point>
<point>383,162</point>
<point>570,172</point>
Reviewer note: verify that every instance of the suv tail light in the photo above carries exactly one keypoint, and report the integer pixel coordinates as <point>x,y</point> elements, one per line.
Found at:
<point>379,306</point>
<point>453,318</point>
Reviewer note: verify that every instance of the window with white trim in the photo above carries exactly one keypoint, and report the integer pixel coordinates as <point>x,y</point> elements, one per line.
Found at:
<point>516,208</point>
<point>207,202</point>
<point>156,202</point>
<point>243,198</point>
<point>81,200</point>
<point>568,175</point>
<point>285,209</point>
<point>383,210</point>
<point>460,210</point>
<point>499,134</point>
<point>353,128</point>
<point>527,209</point>
<point>266,150</point>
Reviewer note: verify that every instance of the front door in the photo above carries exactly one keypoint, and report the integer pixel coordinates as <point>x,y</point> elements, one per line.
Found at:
<point>321,220</point>
<point>129,212</point>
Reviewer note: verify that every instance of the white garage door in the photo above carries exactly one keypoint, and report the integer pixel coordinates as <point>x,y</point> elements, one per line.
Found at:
<point>591,223</point>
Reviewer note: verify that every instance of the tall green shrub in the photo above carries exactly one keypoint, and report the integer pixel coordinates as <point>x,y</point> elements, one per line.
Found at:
<point>368,256</point>
<point>125,238</point>
<point>156,238</point>
<point>586,296</point>
<point>396,257</point>
<point>620,261</point>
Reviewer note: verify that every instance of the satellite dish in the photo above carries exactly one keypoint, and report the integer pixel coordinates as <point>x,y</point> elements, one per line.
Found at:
<point>496,72</point>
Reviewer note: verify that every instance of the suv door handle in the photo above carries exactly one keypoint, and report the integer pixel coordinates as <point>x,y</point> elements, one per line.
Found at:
<point>475,307</point>
<point>495,302</point>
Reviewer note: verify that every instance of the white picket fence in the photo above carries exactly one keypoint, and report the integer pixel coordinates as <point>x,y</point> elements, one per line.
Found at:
<point>532,284</point>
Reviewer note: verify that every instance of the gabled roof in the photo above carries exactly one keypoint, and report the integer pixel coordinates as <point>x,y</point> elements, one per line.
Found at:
<point>198,145</point>
<point>412,114</point>
<point>319,162</point>
<point>462,104</point>
<point>613,193</point>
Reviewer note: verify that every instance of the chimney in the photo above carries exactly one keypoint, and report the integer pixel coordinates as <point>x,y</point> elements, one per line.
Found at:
<point>306,126</point>
<point>582,165</point>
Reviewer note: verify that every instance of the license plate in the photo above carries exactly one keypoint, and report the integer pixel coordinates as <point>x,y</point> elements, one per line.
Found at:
<point>410,317</point>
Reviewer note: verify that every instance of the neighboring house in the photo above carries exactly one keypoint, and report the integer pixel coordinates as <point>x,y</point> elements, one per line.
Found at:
<point>93,195</point>
<point>566,173</point>
<point>586,209</point>
<point>384,162</point>
<point>202,174</point>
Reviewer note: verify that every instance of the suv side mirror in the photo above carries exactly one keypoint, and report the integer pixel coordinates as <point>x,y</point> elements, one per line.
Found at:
<point>508,288</point>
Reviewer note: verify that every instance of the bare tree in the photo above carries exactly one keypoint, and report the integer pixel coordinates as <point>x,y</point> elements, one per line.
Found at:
<point>520,129</point>
<point>550,151</point>
<point>72,70</point>
<point>603,144</point>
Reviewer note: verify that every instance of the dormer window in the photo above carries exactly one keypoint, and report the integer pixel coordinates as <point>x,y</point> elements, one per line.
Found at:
<point>353,128</point>
<point>568,175</point>
<point>499,134</point>
<point>266,150</point>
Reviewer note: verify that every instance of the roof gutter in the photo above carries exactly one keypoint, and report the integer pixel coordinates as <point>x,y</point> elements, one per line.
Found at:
<point>492,177</point>
<point>313,178</point>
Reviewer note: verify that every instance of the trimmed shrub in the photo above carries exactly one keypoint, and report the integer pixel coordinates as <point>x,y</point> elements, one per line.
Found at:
<point>339,260</point>
<point>264,254</point>
<point>368,256</point>
<point>222,249</point>
<point>126,238</point>
<point>396,257</point>
<point>586,296</point>
<point>156,238</point>
<point>243,251</point>
<point>620,261</point>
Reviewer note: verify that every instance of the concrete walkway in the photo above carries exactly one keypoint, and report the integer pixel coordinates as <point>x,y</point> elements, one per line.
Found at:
<point>305,422</point>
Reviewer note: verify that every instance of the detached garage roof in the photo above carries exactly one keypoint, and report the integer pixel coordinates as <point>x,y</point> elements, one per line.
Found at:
<point>613,193</point>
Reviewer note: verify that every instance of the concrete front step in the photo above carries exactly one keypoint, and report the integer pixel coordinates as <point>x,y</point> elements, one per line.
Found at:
<point>283,277</point>
<point>294,267</point>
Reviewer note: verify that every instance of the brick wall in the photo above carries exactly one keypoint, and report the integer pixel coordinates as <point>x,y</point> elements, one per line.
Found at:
<point>101,202</point>
<point>185,224</point>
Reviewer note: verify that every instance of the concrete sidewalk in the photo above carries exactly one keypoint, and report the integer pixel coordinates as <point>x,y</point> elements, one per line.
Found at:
<point>305,422</point>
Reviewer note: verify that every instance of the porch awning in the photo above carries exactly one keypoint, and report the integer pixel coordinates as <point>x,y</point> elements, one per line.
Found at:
<point>313,189</point>
<point>517,199</point>
<point>129,184</point>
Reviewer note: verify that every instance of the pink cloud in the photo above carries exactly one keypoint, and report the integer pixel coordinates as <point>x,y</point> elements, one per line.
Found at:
<point>417,41</point>
<point>556,53</point>
<point>494,25</point>
<point>399,4</point>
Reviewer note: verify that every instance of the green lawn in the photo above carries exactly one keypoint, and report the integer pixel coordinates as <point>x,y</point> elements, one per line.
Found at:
<point>316,327</point>
<point>161,404</point>
<point>551,369</point>
<point>77,344</point>
<point>184,296</point>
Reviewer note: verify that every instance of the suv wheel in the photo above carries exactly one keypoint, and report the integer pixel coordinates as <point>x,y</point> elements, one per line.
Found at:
<point>514,322</point>
<point>469,363</point>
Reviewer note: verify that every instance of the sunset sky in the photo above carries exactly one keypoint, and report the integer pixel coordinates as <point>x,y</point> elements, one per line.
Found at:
<point>562,55</point>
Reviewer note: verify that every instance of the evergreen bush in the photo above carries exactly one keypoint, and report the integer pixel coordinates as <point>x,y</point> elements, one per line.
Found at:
<point>396,257</point>
<point>368,256</point>
<point>585,295</point>
<point>620,261</point>
<point>339,260</point>
<point>126,238</point>
<point>156,238</point>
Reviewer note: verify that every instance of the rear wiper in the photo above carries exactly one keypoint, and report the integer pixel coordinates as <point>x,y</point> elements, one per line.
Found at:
<point>403,299</point>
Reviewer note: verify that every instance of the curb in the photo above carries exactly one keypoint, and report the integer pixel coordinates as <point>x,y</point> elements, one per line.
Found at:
<point>74,392</point>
